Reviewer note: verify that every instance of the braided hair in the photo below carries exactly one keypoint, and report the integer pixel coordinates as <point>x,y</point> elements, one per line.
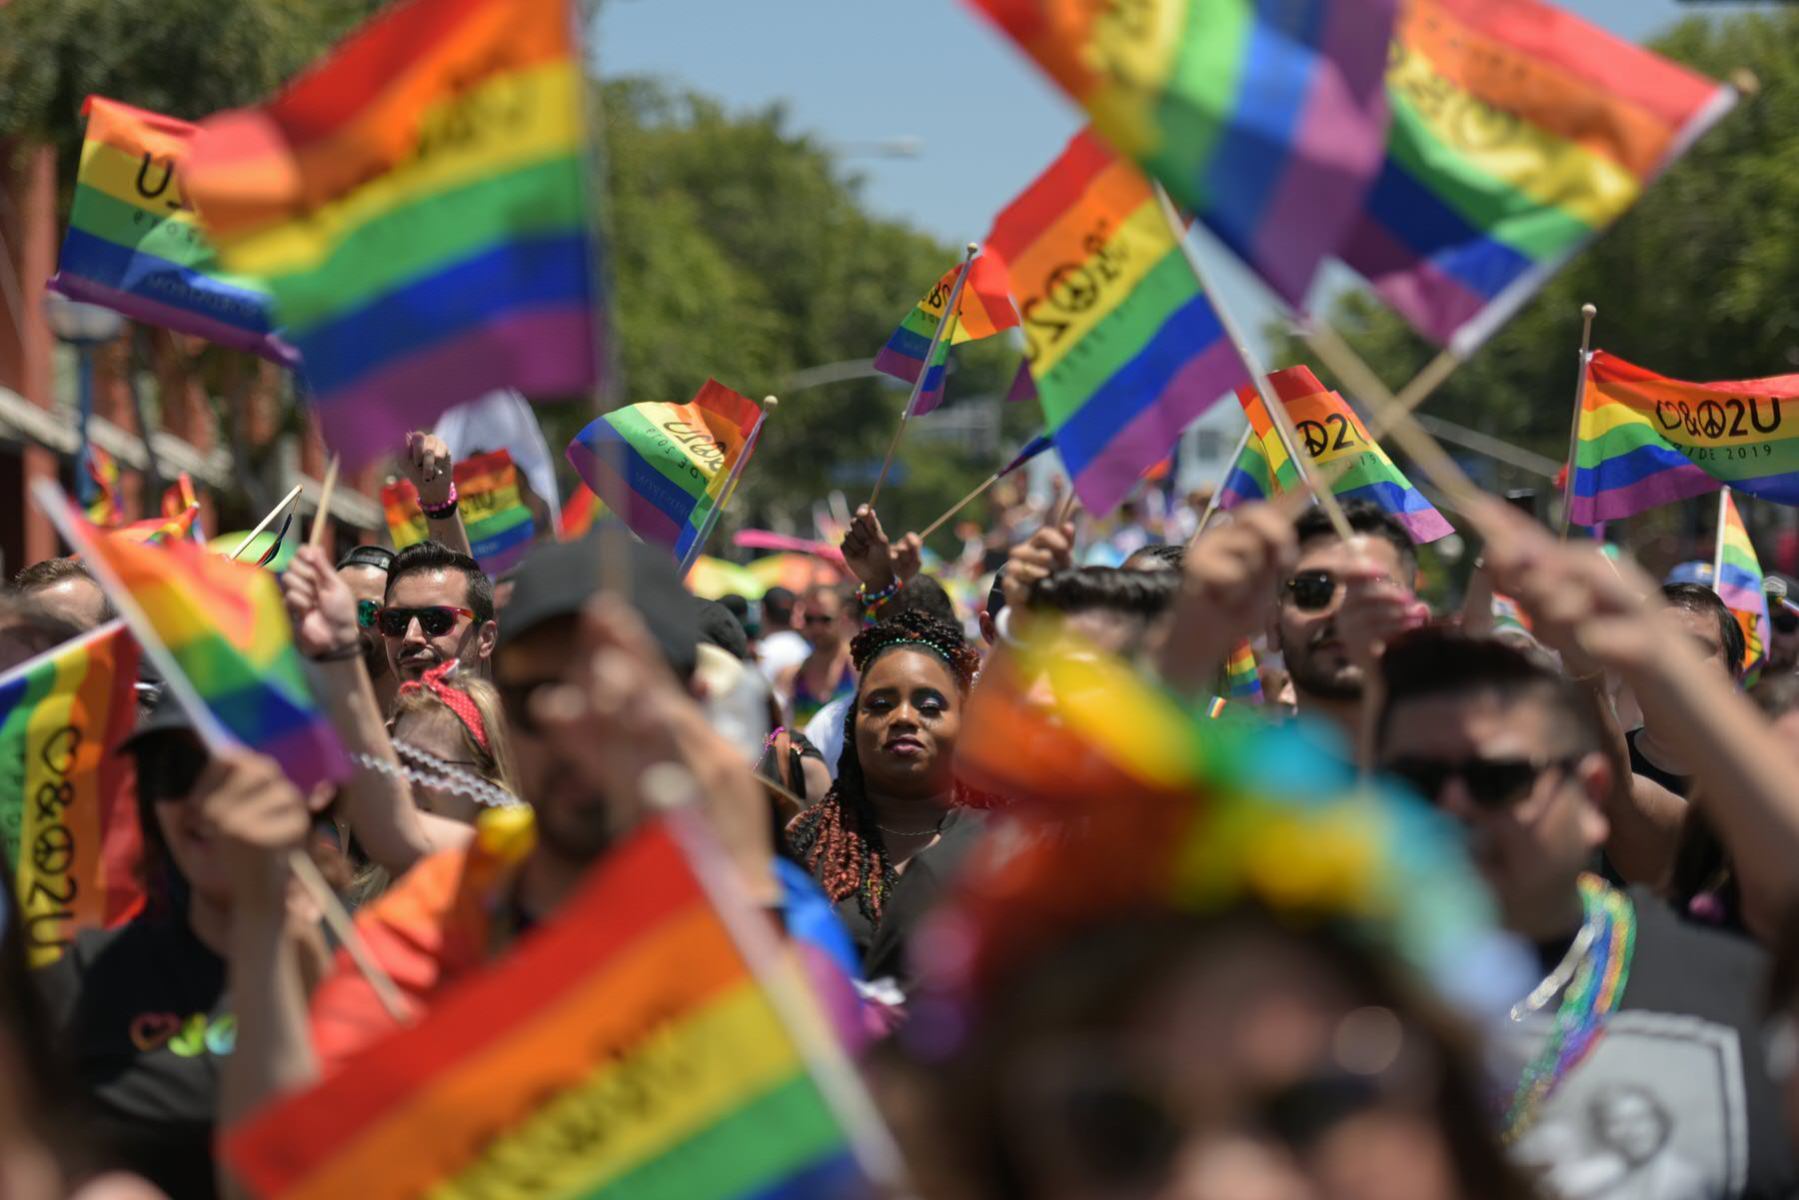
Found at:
<point>837,838</point>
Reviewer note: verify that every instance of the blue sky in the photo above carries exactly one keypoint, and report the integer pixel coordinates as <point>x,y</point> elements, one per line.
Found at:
<point>856,72</point>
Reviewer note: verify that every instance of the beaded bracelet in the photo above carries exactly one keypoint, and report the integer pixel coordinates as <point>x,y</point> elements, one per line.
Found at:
<point>873,602</point>
<point>439,512</point>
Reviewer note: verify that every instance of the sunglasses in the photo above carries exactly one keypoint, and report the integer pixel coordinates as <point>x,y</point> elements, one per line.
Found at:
<point>819,619</point>
<point>436,620</point>
<point>516,699</point>
<point>1492,783</point>
<point>366,612</point>
<point>1311,591</point>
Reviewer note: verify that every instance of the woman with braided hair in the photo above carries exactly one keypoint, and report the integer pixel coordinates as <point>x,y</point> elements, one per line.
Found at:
<point>888,831</point>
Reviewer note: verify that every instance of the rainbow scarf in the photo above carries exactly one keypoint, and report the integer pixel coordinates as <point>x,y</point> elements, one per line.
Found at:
<point>134,246</point>
<point>1265,120</point>
<point>1242,681</point>
<point>226,631</point>
<point>625,1049</point>
<point>1738,582</point>
<point>500,527</point>
<point>1125,362</point>
<point>664,468</point>
<point>1647,440</point>
<point>982,310</point>
<point>417,204</point>
<point>68,812</point>
<point>1331,431</point>
<point>1519,133</point>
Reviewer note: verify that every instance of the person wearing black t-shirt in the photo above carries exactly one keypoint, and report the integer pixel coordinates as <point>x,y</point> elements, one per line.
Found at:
<point>1636,1061</point>
<point>141,1010</point>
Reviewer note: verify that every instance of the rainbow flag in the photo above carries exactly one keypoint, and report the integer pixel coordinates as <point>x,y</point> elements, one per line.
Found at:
<point>623,1050</point>
<point>1332,432</point>
<point>500,527</point>
<point>1125,362</point>
<point>180,496</point>
<point>68,810</point>
<point>983,309</point>
<point>417,205</point>
<point>107,509</point>
<point>663,468</point>
<point>220,626</point>
<point>270,548</point>
<point>1647,440</point>
<point>1738,582</point>
<point>1265,121</point>
<point>1507,614</point>
<point>134,245</point>
<point>162,529</point>
<point>1519,133</point>
<point>579,512</point>
<point>1242,681</point>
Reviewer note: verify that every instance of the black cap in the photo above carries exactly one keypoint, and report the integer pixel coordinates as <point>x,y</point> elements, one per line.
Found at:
<point>165,716</point>
<point>378,557</point>
<point>558,578</point>
<point>720,627</point>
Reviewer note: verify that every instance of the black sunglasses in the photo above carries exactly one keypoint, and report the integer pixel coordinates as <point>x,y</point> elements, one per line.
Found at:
<point>366,612</point>
<point>436,620</point>
<point>1312,590</point>
<point>1783,620</point>
<point>1492,783</point>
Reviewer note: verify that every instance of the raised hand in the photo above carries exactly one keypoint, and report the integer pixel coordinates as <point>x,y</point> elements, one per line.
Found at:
<point>1231,575</point>
<point>1376,608</point>
<point>429,464</point>
<point>256,817</point>
<point>1039,556</point>
<point>867,552</point>
<point>321,606</point>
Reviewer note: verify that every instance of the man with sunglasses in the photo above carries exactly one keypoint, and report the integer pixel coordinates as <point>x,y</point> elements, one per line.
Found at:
<point>364,571</point>
<point>1783,615</point>
<point>1338,602</point>
<point>1515,753</point>
<point>438,606</point>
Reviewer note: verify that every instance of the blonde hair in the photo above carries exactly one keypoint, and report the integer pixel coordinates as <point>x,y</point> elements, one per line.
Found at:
<point>496,761</point>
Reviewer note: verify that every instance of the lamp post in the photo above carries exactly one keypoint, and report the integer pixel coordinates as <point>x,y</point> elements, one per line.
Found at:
<point>85,327</point>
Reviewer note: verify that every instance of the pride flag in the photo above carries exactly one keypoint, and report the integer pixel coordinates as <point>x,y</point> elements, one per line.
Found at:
<point>1265,121</point>
<point>107,509</point>
<point>417,204</point>
<point>68,811</point>
<point>1738,581</point>
<point>499,526</point>
<point>663,468</point>
<point>579,512</point>
<point>219,630</point>
<point>983,309</point>
<point>161,529</point>
<point>180,496</point>
<point>1647,440</point>
<point>1519,133</point>
<point>134,246</point>
<point>1242,681</point>
<point>1331,432</point>
<point>1124,349</point>
<point>625,1049</point>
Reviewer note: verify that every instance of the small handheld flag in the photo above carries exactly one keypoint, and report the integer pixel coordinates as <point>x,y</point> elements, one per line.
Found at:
<point>1332,432</point>
<point>983,310</point>
<point>499,525</point>
<point>1737,578</point>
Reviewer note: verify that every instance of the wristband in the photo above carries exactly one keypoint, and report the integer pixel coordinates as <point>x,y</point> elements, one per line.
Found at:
<point>443,510</point>
<point>343,653</point>
<point>873,602</point>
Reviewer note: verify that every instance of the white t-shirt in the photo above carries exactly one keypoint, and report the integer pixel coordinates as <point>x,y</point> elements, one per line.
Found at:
<point>779,650</point>
<point>825,730</point>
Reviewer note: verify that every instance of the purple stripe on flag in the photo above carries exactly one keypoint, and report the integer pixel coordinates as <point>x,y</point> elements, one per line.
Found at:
<point>901,366</point>
<point>1664,487</point>
<point>1114,470</point>
<point>546,351</point>
<point>173,316</point>
<point>1335,141</point>
<point>1435,302</point>
<point>1741,598</point>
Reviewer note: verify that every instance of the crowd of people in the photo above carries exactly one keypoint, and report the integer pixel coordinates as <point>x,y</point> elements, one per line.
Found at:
<point>1034,1017</point>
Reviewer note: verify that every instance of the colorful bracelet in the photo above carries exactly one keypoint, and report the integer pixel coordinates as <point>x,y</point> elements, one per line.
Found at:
<point>442,510</point>
<point>873,602</point>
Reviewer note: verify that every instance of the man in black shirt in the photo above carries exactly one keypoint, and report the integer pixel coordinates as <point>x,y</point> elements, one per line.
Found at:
<point>1636,1063</point>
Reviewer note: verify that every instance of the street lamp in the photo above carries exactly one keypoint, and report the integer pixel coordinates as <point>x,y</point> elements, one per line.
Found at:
<point>85,327</point>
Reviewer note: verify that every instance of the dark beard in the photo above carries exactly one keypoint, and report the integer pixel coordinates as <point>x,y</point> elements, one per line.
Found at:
<point>1311,680</point>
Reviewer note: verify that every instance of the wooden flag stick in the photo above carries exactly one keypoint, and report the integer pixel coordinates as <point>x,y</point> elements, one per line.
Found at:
<point>959,505</point>
<point>1218,492</point>
<point>1360,379</point>
<point>1277,412</point>
<point>266,521</point>
<point>1587,313</point>
<point>1718,548</point>
<point>321,520</point>
<point>924,372</point>
<point>1065,509</point>
<point>338,918</point>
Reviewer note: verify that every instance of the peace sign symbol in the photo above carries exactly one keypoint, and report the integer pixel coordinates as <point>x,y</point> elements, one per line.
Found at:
<point>1316,436</point>
<point>53,850</point>
<point>1711,418</point>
